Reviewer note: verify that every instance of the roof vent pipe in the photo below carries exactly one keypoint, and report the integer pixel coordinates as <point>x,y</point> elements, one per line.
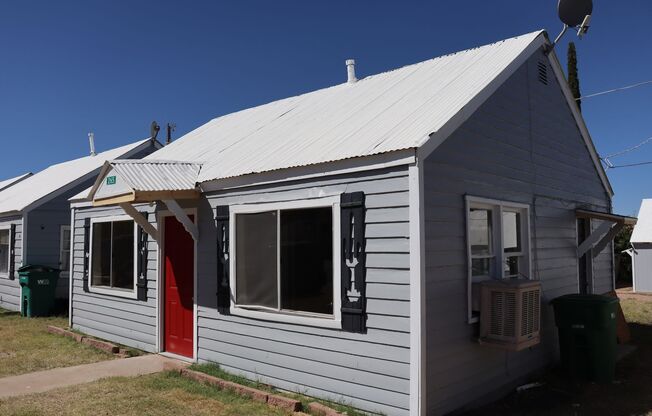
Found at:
<point>91,142</point>
<point>350,71</point>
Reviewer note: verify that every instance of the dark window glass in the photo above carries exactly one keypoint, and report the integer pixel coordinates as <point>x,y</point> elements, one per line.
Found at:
<point>256,254</point>
<point>122,258</point>
<point>307,260</point>
<point>101,268</point>
<point>65,250</point>
<point>480,232</point>
<point>511,266</point>
<point>113,255</point>
<point>4,251</point>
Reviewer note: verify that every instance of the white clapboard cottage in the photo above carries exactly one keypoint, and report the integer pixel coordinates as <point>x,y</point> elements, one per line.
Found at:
<point>35,217</point>
<point>4,184</point>
<point>336,243</point>
<point>641,250</point>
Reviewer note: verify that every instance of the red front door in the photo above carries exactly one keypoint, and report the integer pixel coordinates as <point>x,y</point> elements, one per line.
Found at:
<point>179,288</point>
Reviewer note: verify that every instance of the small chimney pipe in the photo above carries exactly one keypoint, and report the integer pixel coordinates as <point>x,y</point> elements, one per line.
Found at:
<point>91,142</point>
<point>350,71</point>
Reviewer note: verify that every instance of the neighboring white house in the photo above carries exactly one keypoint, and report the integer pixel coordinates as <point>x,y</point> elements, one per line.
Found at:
<point>330,243</point>
<point>35,217</point>
<point>641,251</point>
<point>12,181</point>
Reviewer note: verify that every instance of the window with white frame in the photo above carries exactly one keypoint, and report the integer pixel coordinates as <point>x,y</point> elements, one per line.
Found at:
<point>113,255</point>
<point>284,259</point>
<point>5,251</point>
<point>64,250</point>
<point>498,235</point>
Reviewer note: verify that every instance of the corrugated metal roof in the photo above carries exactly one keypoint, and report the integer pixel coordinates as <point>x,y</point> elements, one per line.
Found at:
<point>643,229</point>
<point>8,182</point>
<point>391,111</point>
<point>40,185</point>
<point>157,175</point>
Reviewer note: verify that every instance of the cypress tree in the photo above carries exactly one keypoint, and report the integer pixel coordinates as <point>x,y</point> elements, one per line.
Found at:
<point>573,78</point>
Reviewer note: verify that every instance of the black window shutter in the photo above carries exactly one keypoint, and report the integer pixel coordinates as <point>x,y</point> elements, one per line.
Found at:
<point>12,253</point>
<point>353,262</point>
<point>87,244</point>
<point>223,278</point>
<point>141,283</point>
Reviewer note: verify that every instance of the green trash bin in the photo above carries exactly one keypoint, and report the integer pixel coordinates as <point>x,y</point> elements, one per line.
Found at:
<point>587,336</point>
<point>38,286</point>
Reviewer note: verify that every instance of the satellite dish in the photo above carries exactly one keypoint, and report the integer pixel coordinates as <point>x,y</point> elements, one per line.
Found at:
<point>573,12</point>
<point>153,130</point>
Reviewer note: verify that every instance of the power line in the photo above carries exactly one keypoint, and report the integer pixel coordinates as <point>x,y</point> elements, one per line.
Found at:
<point>609,165</point>
<point>629,165</point>
<point>615,90</point>
<point>622,152</point>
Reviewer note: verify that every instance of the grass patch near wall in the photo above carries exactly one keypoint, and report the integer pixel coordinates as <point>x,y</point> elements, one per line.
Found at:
<point>163,394</point>
<point>26,346</point>
<point>215,371</point>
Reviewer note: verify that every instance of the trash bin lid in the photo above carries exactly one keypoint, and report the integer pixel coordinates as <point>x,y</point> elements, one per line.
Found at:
<point>576,298</point>
<point>38,268</point>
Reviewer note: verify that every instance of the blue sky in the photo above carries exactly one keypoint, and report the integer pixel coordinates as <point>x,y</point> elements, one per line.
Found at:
<point>111,67</point>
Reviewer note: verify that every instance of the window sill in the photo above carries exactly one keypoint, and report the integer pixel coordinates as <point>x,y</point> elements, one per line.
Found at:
<point>332,323</point>
<point>4,276</point>
<point>121,293</point>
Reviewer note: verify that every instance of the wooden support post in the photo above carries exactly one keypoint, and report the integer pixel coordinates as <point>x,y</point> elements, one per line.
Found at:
<point>607,238</point>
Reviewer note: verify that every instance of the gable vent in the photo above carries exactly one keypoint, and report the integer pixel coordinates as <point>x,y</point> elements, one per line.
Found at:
<point>543,72</point>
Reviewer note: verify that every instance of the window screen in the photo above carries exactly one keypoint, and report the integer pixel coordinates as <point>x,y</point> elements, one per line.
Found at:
<point>256,259</point>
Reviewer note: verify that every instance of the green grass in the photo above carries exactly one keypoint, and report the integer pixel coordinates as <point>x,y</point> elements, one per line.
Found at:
<point>637,312</point>
<point>26,346</point>
<point>163,394</point>
<point>216,371</point>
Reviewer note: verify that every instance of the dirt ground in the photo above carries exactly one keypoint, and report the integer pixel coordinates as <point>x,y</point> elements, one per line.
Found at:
<point>627,293</point>
<point>630,394</point>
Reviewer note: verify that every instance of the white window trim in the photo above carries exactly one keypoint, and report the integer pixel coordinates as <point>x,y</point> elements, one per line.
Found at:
<point>62,256</point>
<point>103,290</point>
<point>2,228</point>
<point>326,321</point>
<point>497,207</point>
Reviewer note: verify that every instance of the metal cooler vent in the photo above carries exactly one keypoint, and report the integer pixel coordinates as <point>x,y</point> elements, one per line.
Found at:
<point>510,313</point>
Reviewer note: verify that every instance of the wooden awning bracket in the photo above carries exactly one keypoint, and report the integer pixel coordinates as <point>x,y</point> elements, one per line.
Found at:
<point>604,234</point>
<point>183,218</point>
<point>140,220</point>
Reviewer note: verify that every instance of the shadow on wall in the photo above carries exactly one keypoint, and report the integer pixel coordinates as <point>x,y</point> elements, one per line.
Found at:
<point>630,394</point>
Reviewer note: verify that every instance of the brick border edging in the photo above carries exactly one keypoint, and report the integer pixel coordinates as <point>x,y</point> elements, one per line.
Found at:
<point>91,342</point>
<point>270,399</point>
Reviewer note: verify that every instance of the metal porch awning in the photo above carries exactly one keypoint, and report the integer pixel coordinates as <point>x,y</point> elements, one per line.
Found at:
<point>605,233</point>
<point>127,182</point>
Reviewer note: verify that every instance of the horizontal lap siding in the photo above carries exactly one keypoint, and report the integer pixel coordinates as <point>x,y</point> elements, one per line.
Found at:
<point>504,152</point>
<point>371,370</point>
<point>44,235</point>
<point>126,321</point>
<point>10,289</point>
